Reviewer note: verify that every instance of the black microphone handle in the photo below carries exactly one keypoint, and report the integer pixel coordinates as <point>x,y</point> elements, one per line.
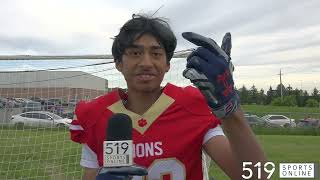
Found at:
<point>133,170</point>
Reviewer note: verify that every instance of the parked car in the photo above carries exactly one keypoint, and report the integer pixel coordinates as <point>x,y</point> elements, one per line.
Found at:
<point>23,101</point>
<point>36,99</point>
<point>39,119</point>
<point>55,101</point>
<point>32,106</point>
<point>8,103</point>
<point>3,101</point>
<point>68,114</point>
<point>73,102</point>
<point>48,105</point>
<point>309,123</point>
<point>256,121</point>
<point>15,103</point>
<point>281,120</point>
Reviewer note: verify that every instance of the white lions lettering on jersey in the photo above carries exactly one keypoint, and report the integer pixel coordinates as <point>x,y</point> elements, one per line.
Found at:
<point>147,149</point>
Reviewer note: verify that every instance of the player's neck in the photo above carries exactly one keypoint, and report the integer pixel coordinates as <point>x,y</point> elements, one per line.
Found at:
<point>140,102</point>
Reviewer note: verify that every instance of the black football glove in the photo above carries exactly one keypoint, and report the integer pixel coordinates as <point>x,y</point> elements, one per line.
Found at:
<point>210,69</point>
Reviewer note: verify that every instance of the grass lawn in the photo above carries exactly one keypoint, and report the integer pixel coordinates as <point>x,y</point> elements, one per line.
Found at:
<point>283,148</point>
<point>48,154</point>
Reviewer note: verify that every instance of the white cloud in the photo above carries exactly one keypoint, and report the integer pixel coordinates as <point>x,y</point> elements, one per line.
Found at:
<point>267,35</point>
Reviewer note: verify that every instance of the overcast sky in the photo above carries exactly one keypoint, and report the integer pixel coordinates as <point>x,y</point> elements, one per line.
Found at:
<point>267,34</point>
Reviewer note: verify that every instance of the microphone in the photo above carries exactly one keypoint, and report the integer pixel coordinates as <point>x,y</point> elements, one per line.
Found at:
<point>117,151</point>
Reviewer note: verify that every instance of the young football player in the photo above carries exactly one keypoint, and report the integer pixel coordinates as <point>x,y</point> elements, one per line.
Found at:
<point>171,124</point>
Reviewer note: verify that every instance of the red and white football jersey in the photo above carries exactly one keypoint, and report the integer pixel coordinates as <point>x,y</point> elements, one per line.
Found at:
<point>167,138</point>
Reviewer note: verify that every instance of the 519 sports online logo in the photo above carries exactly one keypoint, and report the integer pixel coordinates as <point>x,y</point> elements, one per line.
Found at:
<point>286,170</point>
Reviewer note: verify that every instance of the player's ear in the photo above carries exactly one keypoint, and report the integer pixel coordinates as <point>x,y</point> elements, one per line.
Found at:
<point>118,65</point>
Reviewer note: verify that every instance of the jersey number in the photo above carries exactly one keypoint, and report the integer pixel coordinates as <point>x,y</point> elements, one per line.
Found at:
<point>161,168</point>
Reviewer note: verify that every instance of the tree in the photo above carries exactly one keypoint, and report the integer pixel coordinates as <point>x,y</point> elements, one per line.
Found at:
<point>243,93</point>
<point>315,93</point>
<point>296,92</point>
<point>277,102</point>
<point>261,97</point>
<point>312,103</point>
<point>287,101</point>
<point>284,92</point>
<point>300,100</point>
<point>289,90</point>
<point>253,94</point>
<point>290,101</point>
<point>303,98</point>
<point>270,95</point>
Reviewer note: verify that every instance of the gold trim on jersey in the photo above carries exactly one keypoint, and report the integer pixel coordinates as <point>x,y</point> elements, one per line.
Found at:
<point>162,103</point>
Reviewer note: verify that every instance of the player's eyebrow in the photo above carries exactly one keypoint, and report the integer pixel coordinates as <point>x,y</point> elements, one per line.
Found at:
<point>154,47</point>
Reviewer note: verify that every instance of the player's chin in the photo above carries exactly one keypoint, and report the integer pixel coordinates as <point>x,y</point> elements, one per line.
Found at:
<point>148,87</point>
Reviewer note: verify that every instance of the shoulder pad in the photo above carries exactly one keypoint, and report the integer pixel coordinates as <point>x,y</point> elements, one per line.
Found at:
<point>195,102</point>
<point>88,113</point>
<point>190,98</point>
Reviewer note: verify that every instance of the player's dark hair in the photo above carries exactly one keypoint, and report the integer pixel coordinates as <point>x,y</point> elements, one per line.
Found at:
<point>140,25</point>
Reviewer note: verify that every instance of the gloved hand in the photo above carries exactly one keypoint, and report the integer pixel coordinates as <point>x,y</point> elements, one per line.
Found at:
<point>210,69</point>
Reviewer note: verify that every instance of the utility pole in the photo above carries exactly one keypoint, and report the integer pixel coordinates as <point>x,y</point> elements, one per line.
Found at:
<point>281,85</point>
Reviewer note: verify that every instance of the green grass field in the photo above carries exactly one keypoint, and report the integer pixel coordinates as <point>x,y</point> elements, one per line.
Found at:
<point>49,154</point>
<point>283,148</point>
<point>38,154</point>
<point>306,131</point>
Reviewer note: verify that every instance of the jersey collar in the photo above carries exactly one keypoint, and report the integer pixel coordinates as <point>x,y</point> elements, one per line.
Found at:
<point>142,122</point>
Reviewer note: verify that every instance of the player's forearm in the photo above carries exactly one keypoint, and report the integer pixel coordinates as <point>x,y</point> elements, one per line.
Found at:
<point>242,139</point>
<point>89,174</point>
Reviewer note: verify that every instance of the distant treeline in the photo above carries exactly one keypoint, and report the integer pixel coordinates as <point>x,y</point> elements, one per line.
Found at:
<point>290,96</point>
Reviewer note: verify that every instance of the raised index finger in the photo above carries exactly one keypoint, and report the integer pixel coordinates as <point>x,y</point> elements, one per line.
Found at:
<point>205,42</point>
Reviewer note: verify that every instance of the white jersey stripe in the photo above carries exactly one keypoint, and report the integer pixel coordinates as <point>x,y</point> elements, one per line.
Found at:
<point>217,131</point>
<point>75,127</point>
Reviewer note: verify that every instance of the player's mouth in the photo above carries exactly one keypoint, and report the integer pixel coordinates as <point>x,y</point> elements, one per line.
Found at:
<point>145,76</point>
